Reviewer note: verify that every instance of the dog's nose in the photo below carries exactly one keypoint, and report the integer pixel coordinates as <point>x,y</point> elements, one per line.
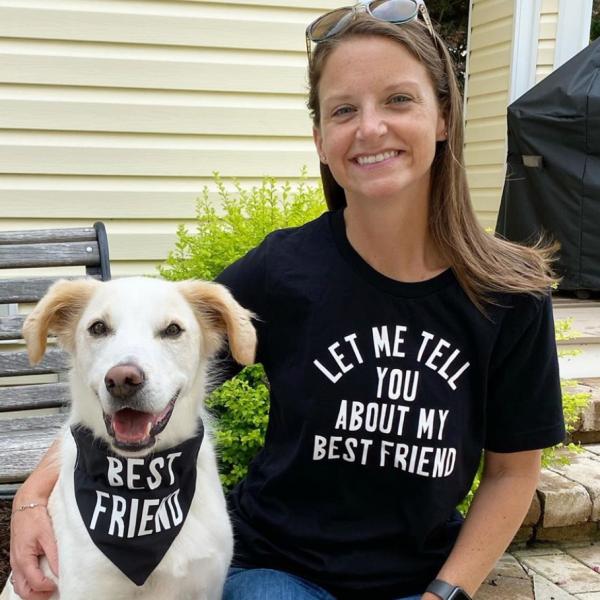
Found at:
<point>123,381</point>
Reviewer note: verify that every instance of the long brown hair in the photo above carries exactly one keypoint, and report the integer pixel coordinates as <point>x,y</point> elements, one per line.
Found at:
<point>482,263</point>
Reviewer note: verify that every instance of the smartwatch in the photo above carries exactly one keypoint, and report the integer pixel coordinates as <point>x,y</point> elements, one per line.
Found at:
<point>446,591</point>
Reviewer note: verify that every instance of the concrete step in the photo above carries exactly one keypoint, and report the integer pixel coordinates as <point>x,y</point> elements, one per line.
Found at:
<point>585,328</point>
<point>586,364</point>
<point>584,314</point>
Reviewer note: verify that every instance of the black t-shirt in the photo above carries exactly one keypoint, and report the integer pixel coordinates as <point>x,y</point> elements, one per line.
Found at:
<point>383,395</point>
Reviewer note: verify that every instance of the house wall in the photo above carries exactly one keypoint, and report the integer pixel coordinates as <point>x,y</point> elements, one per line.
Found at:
<point>547,39</point>
<point>120,110</point>
<point>490,43</point>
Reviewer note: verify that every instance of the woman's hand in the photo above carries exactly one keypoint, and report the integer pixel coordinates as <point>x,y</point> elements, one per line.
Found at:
<point>31,533</point>
<point>31,536</point>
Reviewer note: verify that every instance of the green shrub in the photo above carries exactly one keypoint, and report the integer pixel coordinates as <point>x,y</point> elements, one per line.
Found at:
<point>244,219</point>
<point>241,406</point>
<point>224,235</point>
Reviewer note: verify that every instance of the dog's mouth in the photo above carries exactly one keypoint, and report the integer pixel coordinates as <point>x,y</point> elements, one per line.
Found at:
<point>135,429</point>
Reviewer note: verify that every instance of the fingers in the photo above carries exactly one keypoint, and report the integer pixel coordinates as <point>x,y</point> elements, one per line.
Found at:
<point>34,578</point>
<point>24,590</point>
<point>50,550</point>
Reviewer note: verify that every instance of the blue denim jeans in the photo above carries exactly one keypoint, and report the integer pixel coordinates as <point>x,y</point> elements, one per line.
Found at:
<point>268,584</point>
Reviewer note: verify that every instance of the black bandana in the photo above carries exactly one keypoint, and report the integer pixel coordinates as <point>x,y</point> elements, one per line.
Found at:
<point>133,508</point>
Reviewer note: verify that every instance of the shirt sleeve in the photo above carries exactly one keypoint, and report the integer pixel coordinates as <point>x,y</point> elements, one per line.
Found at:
<point>524,401</point>
<point>245,279</point>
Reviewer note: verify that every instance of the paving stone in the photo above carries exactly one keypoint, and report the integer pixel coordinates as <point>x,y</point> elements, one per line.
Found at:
<point>587,453</point>
<point>506,588</point>
<point>589,555</point>
<point>534,513</point>
<point>507,581</point>
<point>566,572</point>
<point>593,448</point>
<point>585,471</point>
<point>584,532</point>
<point>537,550</point>
<point>588,596</point>
<point>565,502</point>
<point>546,590</point>
<point>508,566</point>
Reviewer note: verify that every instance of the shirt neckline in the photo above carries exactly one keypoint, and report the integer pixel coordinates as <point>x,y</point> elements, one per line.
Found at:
<point>387,284</point>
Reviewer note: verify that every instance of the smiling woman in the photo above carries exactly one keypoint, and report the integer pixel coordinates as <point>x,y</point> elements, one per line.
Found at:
<point>400,341</point>
<point>378,134</point>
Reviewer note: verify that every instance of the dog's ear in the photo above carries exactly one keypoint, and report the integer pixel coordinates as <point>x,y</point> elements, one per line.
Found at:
<point>219,314</point>
<point>57,312</point>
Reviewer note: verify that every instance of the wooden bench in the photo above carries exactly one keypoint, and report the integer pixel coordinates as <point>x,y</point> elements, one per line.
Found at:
<point>31,413</point>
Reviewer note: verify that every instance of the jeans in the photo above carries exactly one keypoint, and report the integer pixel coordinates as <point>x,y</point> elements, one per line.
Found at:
<point>268,584</point>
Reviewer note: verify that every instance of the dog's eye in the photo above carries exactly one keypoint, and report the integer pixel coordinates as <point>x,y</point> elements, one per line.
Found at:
<point>173,330</point>
<point>98,329</point>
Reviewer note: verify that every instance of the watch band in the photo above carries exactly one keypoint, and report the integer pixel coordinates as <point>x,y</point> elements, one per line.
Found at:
<point>446,591</point>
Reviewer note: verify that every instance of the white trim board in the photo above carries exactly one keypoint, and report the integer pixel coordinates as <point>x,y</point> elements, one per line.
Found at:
<point>526,27</point>
<point>467,64</point>
<point>573,29</point>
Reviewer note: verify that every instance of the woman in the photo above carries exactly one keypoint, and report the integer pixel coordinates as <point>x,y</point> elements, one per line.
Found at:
<point>399,340</point>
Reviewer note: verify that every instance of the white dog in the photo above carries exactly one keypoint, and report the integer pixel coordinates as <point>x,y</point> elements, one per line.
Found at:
<point>138,510</point>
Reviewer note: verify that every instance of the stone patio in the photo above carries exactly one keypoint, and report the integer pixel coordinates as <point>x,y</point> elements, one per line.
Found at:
<point>546,572</point>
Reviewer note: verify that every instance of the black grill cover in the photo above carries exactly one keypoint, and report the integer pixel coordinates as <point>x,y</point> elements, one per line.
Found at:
<point>553,168</point>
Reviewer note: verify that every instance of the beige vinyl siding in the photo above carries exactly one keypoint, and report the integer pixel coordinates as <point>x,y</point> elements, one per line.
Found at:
<point>490,45</point>
<point>547,39</point>
<point>121,110</point>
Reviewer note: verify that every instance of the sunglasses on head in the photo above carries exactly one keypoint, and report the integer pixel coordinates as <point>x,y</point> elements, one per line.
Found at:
<point>391,11</point>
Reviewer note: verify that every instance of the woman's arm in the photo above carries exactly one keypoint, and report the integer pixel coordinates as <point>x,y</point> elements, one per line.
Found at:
<point>496,513</point>
<point>31,534</point>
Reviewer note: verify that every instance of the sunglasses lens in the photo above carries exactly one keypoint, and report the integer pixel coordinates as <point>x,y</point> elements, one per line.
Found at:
<point>329,24</point>
<point>393,11</point>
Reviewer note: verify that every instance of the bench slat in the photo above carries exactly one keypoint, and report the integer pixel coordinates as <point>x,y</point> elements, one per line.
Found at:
<point>28,289</point>
<point>21,427</point>
<point>23,442</point>
<point>10,327</point>
<point>46,236</point>
<point>49,255</point>
<point>27,397</point>
<point>17,363</point>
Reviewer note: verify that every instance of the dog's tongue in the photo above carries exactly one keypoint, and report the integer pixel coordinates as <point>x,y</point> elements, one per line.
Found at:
<point>132,425</point>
